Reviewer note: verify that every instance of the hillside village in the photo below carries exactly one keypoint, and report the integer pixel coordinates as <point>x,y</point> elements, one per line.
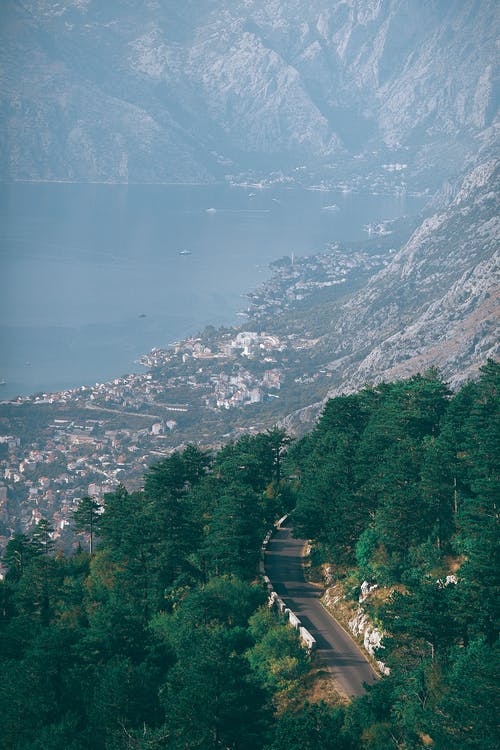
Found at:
<point>89,439</point>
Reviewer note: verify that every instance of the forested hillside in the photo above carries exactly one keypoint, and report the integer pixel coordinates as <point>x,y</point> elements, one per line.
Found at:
<point>156,633</point>
<point>399,487</point>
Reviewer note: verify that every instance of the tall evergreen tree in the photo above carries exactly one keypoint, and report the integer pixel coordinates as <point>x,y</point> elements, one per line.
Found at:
<point>234,532</point>
<point>86,519</point>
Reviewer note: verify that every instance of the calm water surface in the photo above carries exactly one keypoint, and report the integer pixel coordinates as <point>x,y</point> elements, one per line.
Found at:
<point>91,276</point>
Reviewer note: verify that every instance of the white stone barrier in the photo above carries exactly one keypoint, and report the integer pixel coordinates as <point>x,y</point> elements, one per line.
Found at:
<point>275,601</point>
<point>307,638</point>
<point>293,619</point>
<point>282,520</point>
<point>269,585</point>
<point>272,599</point>
<point>280,604</point>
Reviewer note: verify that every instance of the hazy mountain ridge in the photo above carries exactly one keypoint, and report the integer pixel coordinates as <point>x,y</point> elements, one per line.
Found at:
<point>120,92</point>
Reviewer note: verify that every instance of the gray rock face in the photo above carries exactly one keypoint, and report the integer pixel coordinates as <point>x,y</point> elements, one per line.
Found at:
<point>181,91</point>
<point>435,305</point>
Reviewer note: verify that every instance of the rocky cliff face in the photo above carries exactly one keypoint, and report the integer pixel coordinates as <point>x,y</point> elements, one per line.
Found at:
<point>188,91</point>
<point>436,304</point>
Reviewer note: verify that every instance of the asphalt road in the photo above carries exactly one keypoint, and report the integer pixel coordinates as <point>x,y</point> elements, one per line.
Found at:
<point>338,651</point>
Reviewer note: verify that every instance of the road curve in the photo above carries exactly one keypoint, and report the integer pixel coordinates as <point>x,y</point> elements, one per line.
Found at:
<point>343,657</point>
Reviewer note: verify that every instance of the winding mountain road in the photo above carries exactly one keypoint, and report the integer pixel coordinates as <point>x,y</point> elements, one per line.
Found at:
<point>337,650</point>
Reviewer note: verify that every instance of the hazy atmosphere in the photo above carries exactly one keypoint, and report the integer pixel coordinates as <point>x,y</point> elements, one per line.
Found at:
<point>249,362</point>
<point>93,276</point>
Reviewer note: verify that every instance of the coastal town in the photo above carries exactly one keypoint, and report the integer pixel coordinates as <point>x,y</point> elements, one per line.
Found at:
<point>56,448</point>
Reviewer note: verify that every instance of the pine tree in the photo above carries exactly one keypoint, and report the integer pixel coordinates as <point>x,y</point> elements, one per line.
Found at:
<point>86,519</point>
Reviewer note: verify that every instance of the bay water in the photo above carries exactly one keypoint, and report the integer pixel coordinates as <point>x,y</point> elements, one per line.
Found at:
<point>93,276</point>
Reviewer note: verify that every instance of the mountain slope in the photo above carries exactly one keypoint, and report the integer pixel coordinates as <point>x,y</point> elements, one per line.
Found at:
<point>149,92</point>
<point>436,304</point>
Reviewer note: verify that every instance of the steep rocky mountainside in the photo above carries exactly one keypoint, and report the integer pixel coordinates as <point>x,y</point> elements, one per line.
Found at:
<point>435,305</point>
<point>156,91</point>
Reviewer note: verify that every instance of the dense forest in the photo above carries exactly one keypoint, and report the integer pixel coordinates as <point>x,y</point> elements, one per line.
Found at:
<point>156,633</point>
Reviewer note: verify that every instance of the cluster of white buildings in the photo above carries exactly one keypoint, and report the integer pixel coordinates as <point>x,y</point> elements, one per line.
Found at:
<point>223,390</point>
<point>235,390</point>
<point>252,344</point>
